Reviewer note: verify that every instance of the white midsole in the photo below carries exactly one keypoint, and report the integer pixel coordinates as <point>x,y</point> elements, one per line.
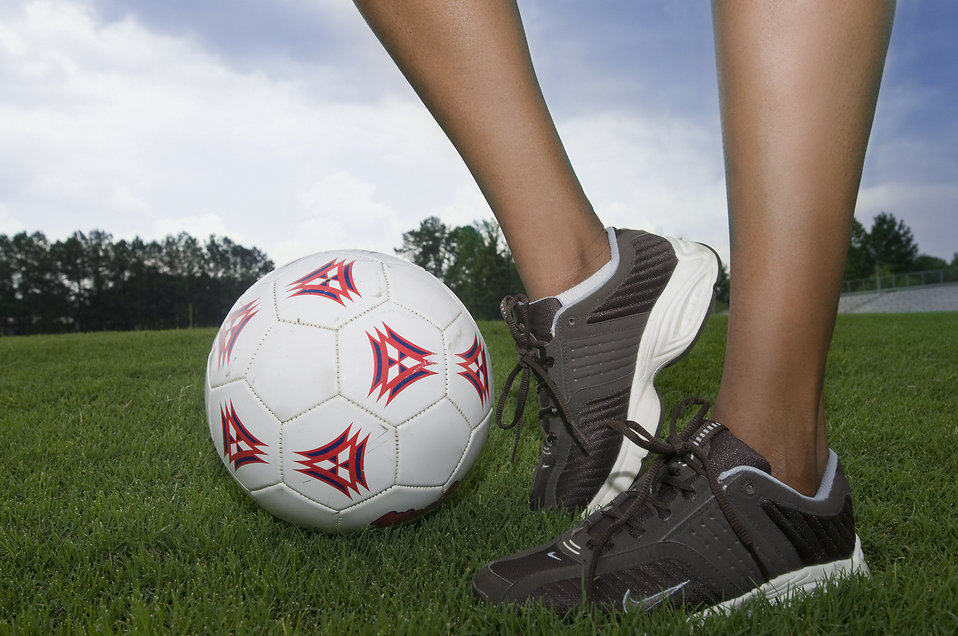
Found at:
<point>788,585</point>
<point>674,323</point>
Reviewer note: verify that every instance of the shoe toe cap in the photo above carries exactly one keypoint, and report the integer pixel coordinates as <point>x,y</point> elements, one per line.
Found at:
<point>489,586</point>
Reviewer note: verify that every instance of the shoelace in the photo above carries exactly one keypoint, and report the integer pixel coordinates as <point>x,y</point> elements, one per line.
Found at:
<point>529,362</point>
<point>677,448</point>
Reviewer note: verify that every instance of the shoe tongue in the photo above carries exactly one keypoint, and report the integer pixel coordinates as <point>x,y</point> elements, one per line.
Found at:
<point>541,314</point>
<point>727,451</point>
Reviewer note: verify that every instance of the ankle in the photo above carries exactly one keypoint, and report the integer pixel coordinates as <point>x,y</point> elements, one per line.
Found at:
<point>581,258</point>
<point>801,470</point>
<point>797,454</point>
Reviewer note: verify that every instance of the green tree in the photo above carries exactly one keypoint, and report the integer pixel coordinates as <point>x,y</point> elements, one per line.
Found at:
<point>473,260</point>
<point>925,263</point>
<point>483,270</point>
<point>722,286</point>
<point>429,246</point>
<point>888,248</point>
<point>41,296</point>
<point>8,298</point>
<point>462,273</point>
<point>70,261</point>
<point>118,303</point>
<point>859,263</point>
<point>88,282</point>
<point>890,245</point>
<point>83,264</point>
<point>229,269</point>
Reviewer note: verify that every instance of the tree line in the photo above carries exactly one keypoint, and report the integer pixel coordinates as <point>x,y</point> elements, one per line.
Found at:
<point>89,282</point>
<point>475,262</point>
<point>888,248</point>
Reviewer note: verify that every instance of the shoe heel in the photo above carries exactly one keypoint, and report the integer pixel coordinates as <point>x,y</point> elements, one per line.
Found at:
<point>674,324</point>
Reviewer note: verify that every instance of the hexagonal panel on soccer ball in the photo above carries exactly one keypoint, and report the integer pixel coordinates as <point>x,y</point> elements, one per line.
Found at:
<point>470,370</point>
<point>245,435</point>
<point>294,369</point>
<point>338,454</point>
<point>240,333</point>
<point>329,289</point>
<point>392,362</point>
<point>473,450</point>
<point>417,290</point>
<point>285,503</point>
<point>431,445</point>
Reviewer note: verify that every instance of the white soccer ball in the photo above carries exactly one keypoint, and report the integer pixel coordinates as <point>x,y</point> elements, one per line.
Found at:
<point>348,389</point>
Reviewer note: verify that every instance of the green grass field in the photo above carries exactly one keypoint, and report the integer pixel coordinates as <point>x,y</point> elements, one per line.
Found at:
<point>117,515</point>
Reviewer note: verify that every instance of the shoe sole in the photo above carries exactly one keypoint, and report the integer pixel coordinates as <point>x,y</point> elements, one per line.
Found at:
<point>673,327</point>
<point>791,584</point>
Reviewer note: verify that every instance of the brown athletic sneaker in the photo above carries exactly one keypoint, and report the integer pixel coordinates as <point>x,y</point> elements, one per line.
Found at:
<point>706,528</point>
<point>595,361</point>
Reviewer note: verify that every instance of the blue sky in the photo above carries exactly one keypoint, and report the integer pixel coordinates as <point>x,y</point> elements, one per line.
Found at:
<point>284,124</point>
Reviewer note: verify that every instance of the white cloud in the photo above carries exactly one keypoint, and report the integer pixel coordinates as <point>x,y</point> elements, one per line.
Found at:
<point>200,227</point>
<point>116,126</point>
<point>144,134</point>
<point>8,224</point>
<point>342,212</point>
<point>664,175</point>
<point>135,133</point>
<point>465,206</point>
<point>138,133</point>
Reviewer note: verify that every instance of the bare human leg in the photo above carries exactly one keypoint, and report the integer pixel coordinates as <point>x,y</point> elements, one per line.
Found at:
<point>798,83</point>
<point>470,64</point>
<point>596,348</point>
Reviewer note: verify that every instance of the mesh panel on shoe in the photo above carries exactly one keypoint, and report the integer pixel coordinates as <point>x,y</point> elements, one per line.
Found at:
<point>655,261</point>
<point>727,451</point>
<point>540,315</point>
<point>584,474</point>
<point>817,539</point>
<point>562,596</point>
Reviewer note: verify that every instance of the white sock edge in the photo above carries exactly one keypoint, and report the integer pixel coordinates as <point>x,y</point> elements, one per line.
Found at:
<point>592,283</point>
<point>824,488</point>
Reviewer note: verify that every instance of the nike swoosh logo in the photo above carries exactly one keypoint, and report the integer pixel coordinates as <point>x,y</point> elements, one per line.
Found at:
<point>554,556</point>
<point>649,602</point>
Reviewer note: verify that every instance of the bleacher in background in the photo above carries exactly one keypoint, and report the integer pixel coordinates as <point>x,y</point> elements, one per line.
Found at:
<point>901,300</point>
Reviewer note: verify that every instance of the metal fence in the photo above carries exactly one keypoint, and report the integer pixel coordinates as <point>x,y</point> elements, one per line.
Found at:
<point>898,281</point>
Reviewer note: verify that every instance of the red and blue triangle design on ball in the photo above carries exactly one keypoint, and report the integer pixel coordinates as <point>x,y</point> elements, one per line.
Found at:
<point>475,368</point>
<point>334,280</point>
<point>233,327</point>
<point>398,363</point>
<point>340,463</point>
<point>240,447</point>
